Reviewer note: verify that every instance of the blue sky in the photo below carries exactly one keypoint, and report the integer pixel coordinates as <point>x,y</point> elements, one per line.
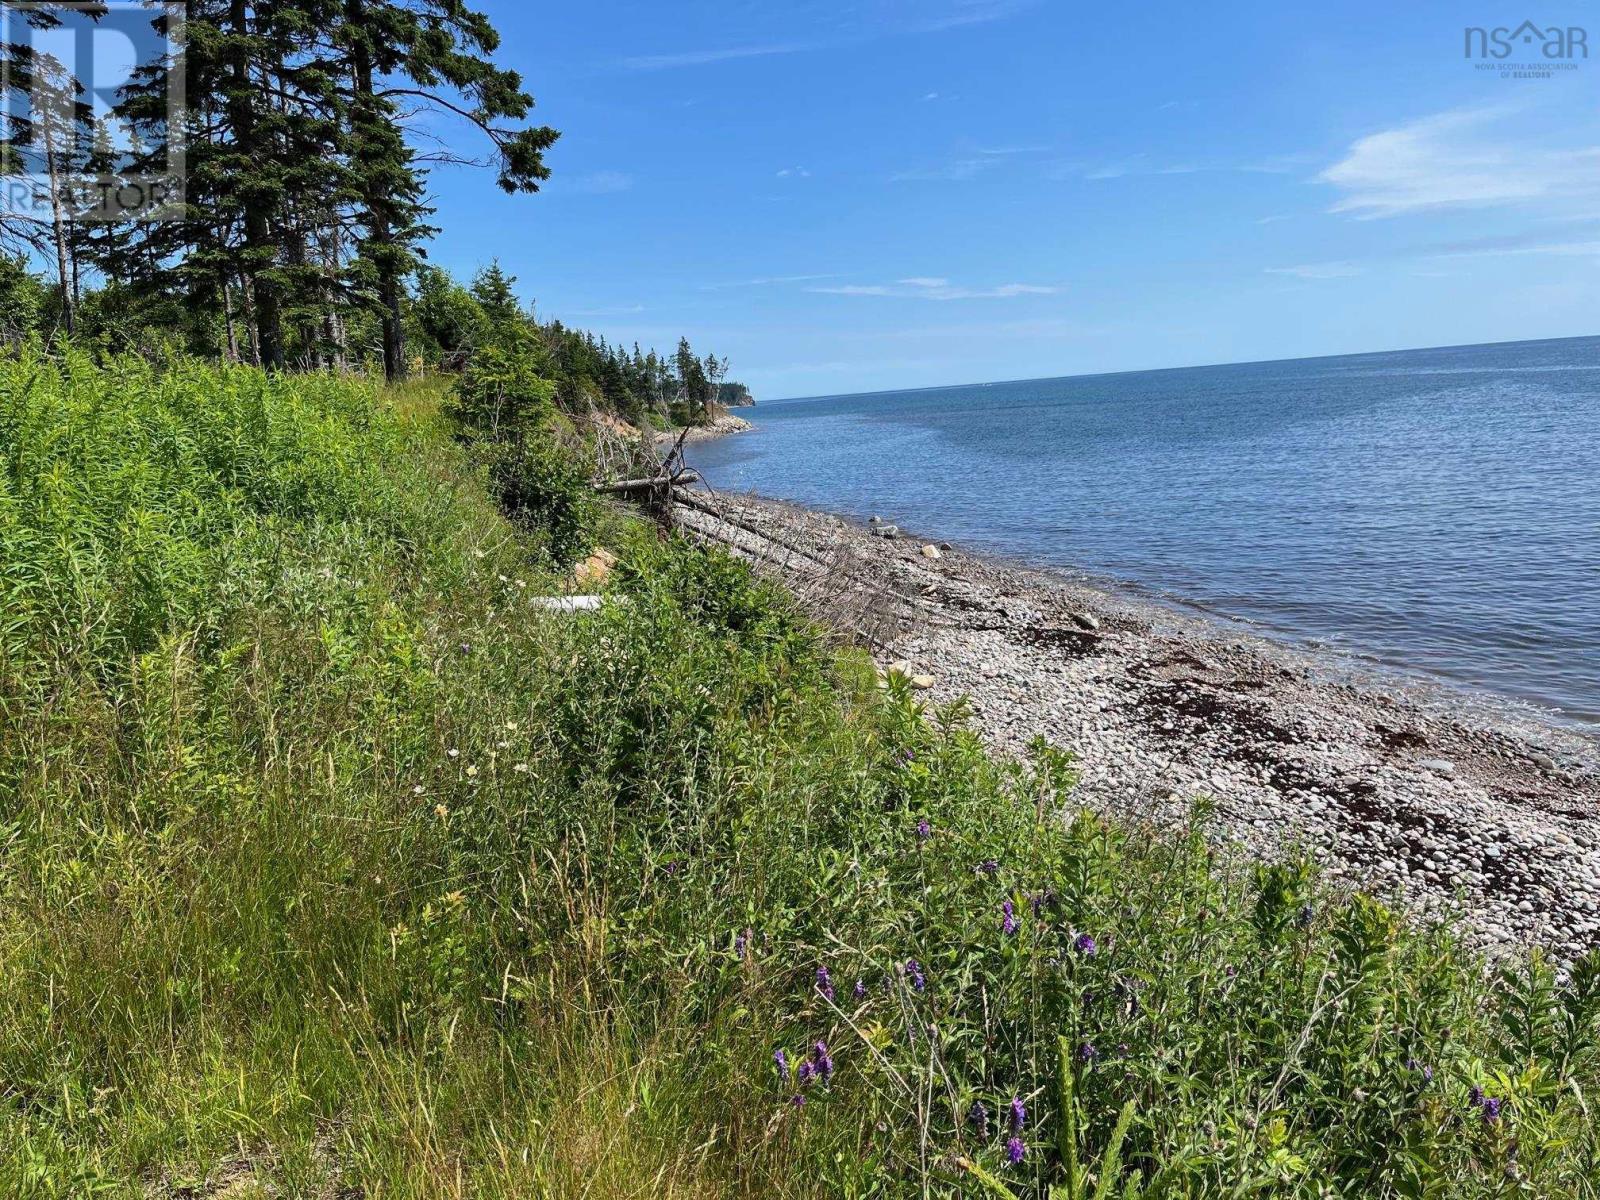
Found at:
<point>901,193</point>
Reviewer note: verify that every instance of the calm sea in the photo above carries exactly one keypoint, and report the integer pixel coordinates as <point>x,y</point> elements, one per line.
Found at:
<point>1436,511</point>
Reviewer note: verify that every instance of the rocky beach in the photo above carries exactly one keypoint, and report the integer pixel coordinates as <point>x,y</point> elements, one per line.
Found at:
<point>1449,807</point>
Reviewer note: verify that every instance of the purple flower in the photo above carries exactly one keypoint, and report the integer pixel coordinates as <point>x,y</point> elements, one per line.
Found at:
<point>989,867</point>
<point>1009,923</point>
<point>1084,945</point>
<point>1087,1053</point>
<point>1015,1151</point>
<point>782,1061</point>
<point>824,983</point>
<point>1019,1115</point>
<point>1040,900</point>
<point>1491,1109</point>
<point>924,830</point>
<point>807,1070</point>
<point>861,989</point>
<point>914,974</point>
<point>742,940</point>
<point>1303,918</point>
<point>797,1100</point>
<point>1475,1096</point>
<point>978,1115</point>
<point>466,647</point>
<point>824,1061</point>
<point>908,756</point>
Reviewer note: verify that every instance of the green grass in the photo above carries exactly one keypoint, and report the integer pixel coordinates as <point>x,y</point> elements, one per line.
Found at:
<point>332,866</point>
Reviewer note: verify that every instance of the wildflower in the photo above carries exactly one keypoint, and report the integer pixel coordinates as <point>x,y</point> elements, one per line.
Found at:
<point>472,772</point>
<point>1087,1053</point>
<point>511,725</point>
<point>1019,1115</point>
<point>453,752</point>
<point>860,989</point>
<point>1302,919</point>
<point>1084,945</point>
<point>824,983</point>
<point>740,941</point>
<point>503,579</point>
<point>520,768</point>
<point>521,583</point>
<point>978,1115</point>
<point>1008,923</point>
<point>797,1100</point>
<point>806,1071</point>
<point>1015,1151</point>
<point>455,899</point>
<point>418,790</point>
<point>502,745</point>
<point>924,830</point>
<point>914,974</point>
<point>466,647</point>
<point>908,756</point>
<point>989,867</point>
<point>1475,1096</point>
<point>1039,901</point>
<point>782,1061</point>
<point>1491,1110</point>
<point>1122,1049</point>
<point>440,811</point>
<point>824,1061</point>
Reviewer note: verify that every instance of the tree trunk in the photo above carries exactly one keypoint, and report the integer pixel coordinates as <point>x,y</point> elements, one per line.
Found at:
<point>381,227</point>
<point>259,244</point>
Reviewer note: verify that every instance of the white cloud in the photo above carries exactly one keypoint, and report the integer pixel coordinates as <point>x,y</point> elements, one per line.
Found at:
<point>765,281</point>
<point>701,58</point>
<point>794,173</point>
<point>600,182</point>
<point>1327,270</point>
<point>1466,158</point>
<point>934,287</point>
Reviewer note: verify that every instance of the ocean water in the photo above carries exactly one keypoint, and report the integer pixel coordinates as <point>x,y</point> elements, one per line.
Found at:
<point>1432,511</point>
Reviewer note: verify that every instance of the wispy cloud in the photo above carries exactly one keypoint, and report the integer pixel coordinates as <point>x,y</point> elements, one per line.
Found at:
<point>885,19</point>
<point>765,281</point>
<point>1465,158</point>
<point>620,310</point>
<point>601,182</point>
<point>794,173</point>
<point>933,287</point>
<point>1327,270</point>
<point>705,57</point>
<point>968,163</point>
<point>961,13</point>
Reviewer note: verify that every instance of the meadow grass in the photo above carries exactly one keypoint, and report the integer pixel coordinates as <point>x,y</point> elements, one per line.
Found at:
<point>330,865</point>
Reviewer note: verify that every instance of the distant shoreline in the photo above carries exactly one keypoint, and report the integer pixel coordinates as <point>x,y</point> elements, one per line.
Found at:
<point>720,426</point>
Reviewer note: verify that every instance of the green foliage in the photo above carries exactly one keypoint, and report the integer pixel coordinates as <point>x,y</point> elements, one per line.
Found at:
<point>330,864</point>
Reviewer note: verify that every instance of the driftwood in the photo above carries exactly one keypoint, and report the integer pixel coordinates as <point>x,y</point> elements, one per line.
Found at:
<point>629,487</point>
<point>823,574</point>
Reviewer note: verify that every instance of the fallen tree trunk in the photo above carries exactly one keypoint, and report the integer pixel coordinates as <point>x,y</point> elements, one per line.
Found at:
<point>630,487</point>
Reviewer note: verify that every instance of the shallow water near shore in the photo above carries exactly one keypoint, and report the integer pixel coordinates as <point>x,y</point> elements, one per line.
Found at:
<point>1435,511</point>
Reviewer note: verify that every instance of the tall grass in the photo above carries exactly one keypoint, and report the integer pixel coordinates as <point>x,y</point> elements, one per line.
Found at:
<point>330,865</point>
